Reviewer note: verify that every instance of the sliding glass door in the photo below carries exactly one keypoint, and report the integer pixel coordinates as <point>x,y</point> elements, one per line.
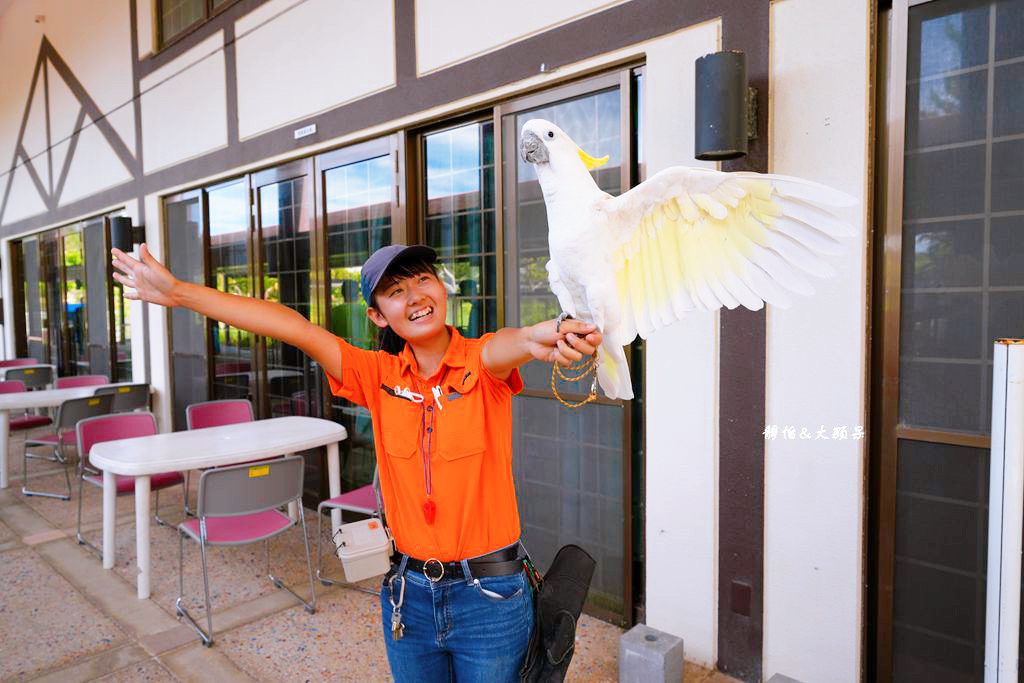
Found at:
<point>69,304</point>
<point>952,281</point>
<point>358,210</point>
<point>284,224</point>
<point>574,467</point>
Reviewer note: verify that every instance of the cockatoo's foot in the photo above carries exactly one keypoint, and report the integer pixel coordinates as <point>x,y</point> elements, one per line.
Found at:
<point>558,321</point>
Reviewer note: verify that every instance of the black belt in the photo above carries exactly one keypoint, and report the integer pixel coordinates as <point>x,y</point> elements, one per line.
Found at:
<point>499,563</point>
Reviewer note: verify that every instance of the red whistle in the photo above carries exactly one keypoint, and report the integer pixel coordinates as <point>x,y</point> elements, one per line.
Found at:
<point>429,511</point>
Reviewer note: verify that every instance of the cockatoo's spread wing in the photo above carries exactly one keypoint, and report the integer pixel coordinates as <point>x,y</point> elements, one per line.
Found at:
<point>697,239</point>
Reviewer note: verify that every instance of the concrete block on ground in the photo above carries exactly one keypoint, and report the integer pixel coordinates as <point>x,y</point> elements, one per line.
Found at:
<point>781,678</point>
<point>647,654</point>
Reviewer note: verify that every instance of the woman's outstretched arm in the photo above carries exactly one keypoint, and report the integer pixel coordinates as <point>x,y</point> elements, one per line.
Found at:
<point>548,341</point>
<point>148,280</point>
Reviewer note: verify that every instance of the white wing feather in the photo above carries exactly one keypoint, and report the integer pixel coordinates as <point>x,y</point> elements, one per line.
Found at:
<point>692,238</point>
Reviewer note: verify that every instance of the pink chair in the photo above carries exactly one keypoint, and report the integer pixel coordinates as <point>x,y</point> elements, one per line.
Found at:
<point>110,428</point>
<point>364,500</point>
<point>25,421</point>
<point>215,414</point>
<point>81,381</point>
<point>15,362</point>
<point>239,505</point>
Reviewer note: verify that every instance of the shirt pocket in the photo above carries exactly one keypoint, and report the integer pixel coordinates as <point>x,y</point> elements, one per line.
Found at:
<point>401,420</point>
<point>461,427</point>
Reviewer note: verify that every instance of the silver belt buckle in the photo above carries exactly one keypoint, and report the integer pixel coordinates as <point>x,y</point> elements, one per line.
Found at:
<point>427,570</point>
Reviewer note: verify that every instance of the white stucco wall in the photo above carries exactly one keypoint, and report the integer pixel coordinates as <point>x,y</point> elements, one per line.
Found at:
<point>340,50</point>
<point>94,166</point>
<point>816,355</point>
<point>682,389</point>
<point>94,40</point>
<point>184,110</point>
<point>452,31</point>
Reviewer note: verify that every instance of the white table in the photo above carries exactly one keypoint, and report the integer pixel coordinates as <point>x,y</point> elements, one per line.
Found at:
<point>24,400</point>
<point>144,456</point>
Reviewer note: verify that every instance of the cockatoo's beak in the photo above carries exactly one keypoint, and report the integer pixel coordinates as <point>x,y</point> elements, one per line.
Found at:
<point>532,148</point>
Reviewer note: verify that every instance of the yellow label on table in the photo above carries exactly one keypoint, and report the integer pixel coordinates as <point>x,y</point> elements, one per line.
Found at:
<point>123,390</point>
<point>30,371</point>
<point>259,471</point>
<point>94,401</point>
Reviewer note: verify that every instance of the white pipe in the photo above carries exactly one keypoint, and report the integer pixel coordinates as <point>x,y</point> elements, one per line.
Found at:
<point>1005,513</point>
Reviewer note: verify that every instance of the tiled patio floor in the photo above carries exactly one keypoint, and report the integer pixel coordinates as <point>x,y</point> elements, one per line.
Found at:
<point>64,618</point>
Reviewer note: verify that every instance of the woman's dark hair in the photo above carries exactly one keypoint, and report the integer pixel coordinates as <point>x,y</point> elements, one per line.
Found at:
<point>401,267</point>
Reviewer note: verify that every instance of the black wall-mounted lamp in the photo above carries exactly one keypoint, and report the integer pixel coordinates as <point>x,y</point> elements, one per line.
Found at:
<point>726,108</point>
<point>124,235</point>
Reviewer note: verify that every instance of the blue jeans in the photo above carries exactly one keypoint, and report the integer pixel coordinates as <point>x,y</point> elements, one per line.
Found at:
<point>458,629</point>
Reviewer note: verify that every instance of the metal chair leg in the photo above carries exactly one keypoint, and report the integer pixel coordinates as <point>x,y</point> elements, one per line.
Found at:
<point>189,512</point>
<point>25,490</point>
<point>309,564</point>
<point>156,513</point>
<point>179,606</point>
<point>278,583</point>
<point>78,529</point>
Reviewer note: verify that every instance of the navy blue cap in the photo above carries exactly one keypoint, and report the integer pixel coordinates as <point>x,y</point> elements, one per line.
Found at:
<point>379,261</point>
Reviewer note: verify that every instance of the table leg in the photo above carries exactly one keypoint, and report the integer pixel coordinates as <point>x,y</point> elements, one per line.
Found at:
<point>109,517</point>
<point>334,483</point>
<point>5,422</point>
<point>142,534</point>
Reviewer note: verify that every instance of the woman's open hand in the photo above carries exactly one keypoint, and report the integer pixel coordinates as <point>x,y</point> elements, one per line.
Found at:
<point>563,343</point>
<point>145,280</point>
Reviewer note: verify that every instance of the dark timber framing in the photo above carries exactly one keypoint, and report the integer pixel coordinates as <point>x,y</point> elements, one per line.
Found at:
<point>745,26</point>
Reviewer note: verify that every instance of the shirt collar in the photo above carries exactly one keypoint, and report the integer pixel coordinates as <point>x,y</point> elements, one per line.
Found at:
<point>454,355</point>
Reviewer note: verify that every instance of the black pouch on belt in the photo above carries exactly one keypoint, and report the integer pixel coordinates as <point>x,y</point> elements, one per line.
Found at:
<point>557,606</point>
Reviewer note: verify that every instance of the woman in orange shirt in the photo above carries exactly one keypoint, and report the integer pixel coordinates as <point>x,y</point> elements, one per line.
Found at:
<point>456,603</point>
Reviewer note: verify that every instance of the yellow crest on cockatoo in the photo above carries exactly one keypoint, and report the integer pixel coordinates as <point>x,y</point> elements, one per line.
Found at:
<point>591,162</point>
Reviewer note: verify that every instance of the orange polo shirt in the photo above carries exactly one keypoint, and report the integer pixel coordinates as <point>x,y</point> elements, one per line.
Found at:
<point>470,447</point>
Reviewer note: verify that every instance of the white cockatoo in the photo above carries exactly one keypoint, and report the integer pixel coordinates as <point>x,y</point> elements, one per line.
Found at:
<point>685,239</point>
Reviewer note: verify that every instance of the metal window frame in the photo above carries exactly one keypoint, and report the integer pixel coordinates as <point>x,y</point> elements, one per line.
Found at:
<point>415,227</point>
<point>165,202</point>
<point>886,432</point>
<point>209,12</point>
<point>621,78</point>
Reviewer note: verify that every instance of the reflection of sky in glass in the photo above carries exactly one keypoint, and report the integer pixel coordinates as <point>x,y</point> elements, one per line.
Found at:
<point>591,121</point>
<point>951,41</point>
<point>270,205</point>
<point>229,209</point>
<point>937,98</point>
<point>453,160</point>
<point>363,183</point>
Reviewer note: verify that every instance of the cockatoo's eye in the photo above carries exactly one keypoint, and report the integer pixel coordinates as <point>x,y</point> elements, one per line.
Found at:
<point>551,133</point>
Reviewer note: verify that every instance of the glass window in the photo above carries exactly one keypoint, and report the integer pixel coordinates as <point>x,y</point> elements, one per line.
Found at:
<point>228,255</point>
<point>570,464</point>
<point>962,253</point>
<point>284,238</point>
<point>74,302</point>
<point>358,198</point>
<point>97,264</point>
<point>178,15</point>
<point>34,311</point>
<point>963,214</point>
<point>184,226</point>
<point>459,221</point>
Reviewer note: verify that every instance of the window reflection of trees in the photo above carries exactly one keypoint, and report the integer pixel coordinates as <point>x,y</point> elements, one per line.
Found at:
<point>460,220</point>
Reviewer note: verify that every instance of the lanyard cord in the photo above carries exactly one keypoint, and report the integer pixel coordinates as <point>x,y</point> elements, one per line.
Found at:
<point>427,433</point>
